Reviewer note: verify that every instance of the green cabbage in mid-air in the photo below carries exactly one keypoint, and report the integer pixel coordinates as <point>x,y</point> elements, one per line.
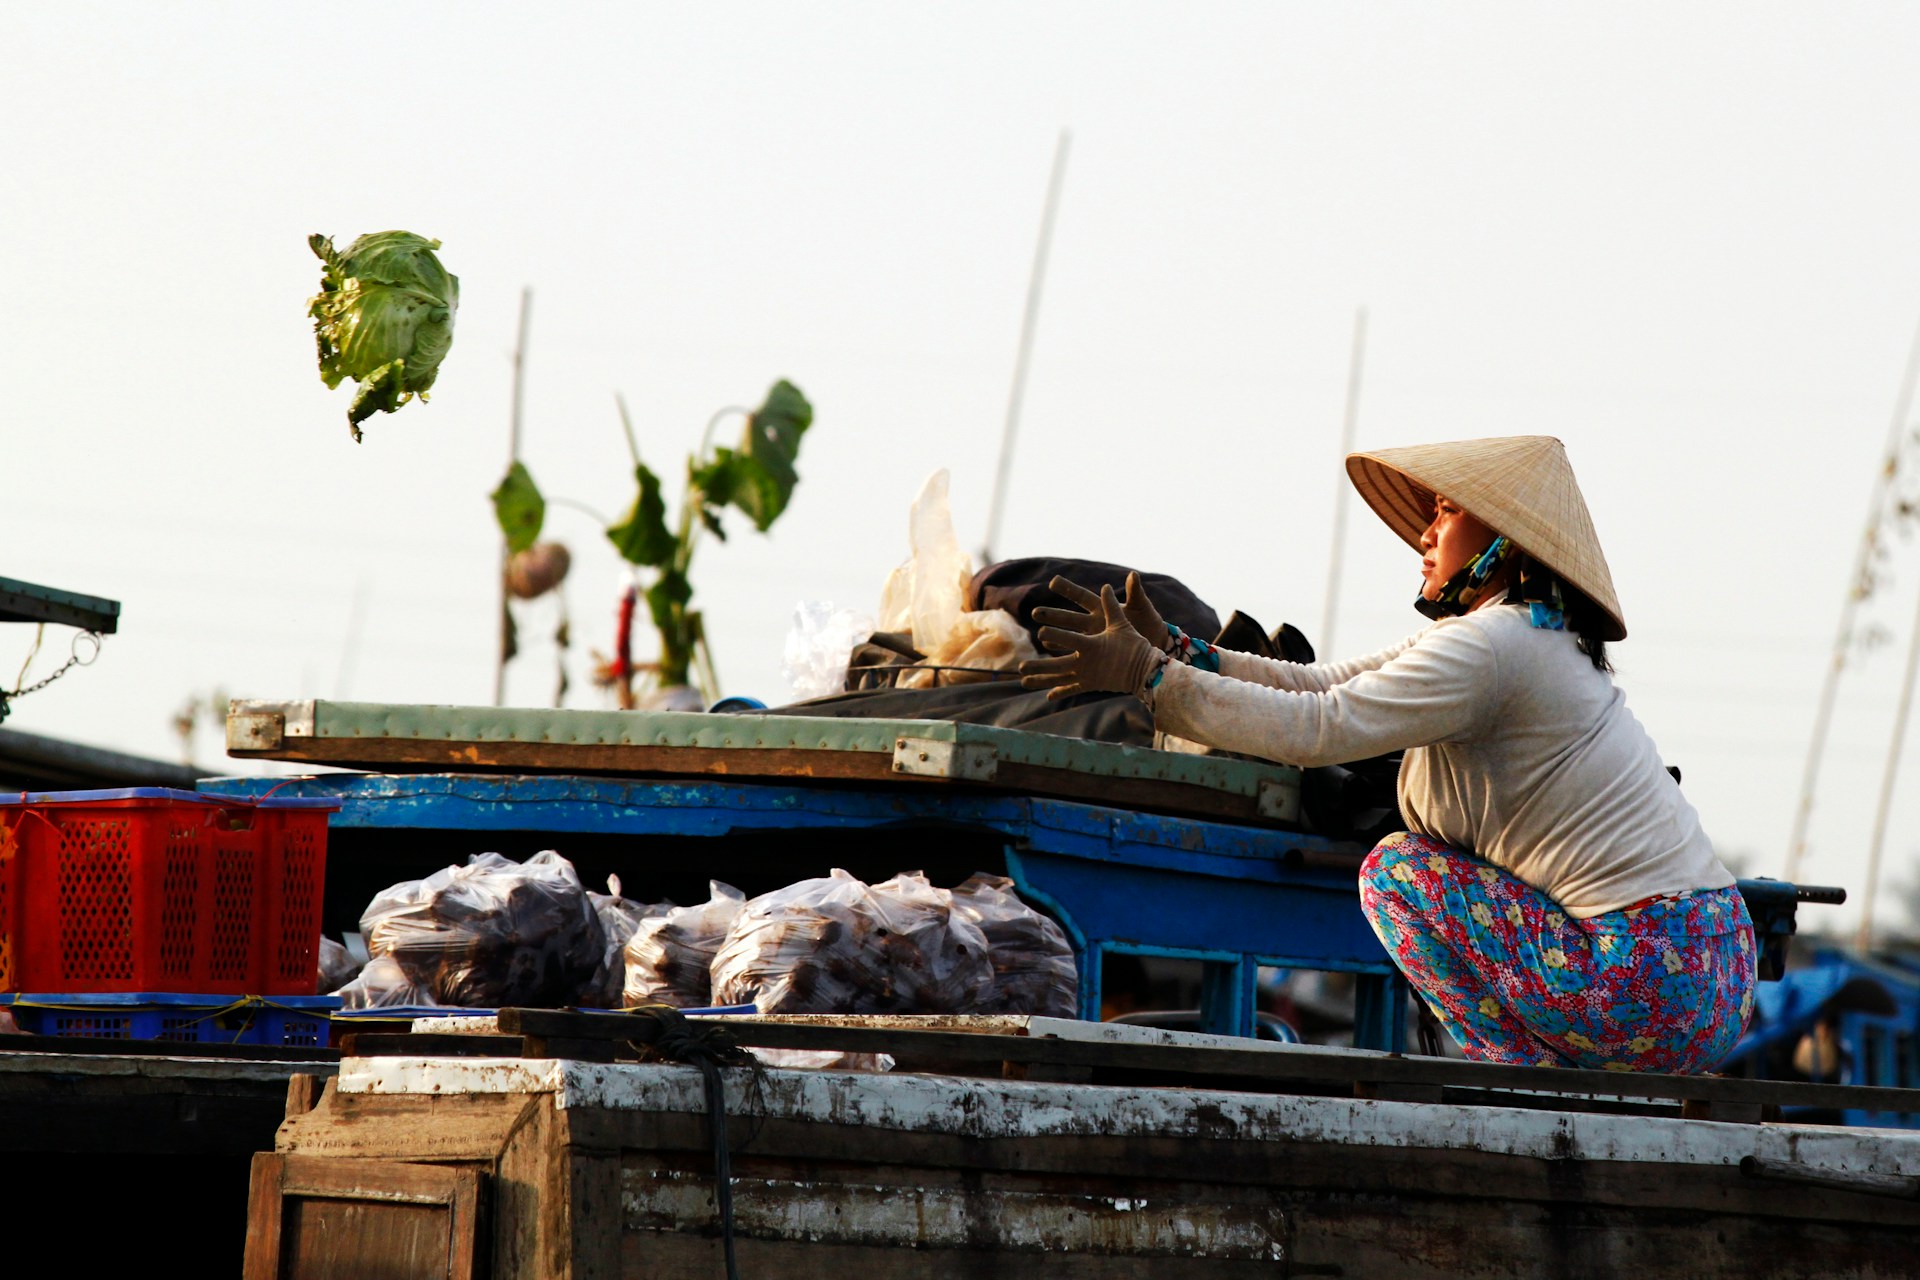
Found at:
<point>383,317</point>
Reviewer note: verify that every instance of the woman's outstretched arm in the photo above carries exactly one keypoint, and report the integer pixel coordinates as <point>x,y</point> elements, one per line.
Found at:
<point>1442,688</point>
<point>1302,677</point>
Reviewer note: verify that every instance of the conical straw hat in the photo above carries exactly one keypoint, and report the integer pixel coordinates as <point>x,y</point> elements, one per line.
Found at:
<point>1521,486</point>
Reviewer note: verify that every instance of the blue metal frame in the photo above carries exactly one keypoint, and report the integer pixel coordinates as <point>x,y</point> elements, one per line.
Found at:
<point>1235,898</point>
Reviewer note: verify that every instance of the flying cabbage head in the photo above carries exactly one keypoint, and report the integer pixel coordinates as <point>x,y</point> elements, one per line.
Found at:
<point>383,317</point>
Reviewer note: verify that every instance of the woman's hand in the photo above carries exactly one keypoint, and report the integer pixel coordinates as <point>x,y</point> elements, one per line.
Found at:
<point>1137,607</point>
<point>1100,653</point>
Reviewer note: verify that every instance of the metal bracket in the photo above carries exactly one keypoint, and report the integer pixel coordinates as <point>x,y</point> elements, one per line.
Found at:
<point>255,730</point>
<point>927,758</point>
<point>256,725</point>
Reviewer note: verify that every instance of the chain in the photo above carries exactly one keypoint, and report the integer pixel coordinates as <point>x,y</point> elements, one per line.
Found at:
<point>73,660</point>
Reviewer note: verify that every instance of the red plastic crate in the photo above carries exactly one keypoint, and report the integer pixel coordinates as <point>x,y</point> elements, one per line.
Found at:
<point>157,890</point>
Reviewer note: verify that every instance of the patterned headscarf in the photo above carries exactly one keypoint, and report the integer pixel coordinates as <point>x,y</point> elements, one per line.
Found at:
<point>1536,588</point>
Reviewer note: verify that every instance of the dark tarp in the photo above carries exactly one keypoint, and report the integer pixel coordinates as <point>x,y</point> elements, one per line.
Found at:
<point>1352,802</point>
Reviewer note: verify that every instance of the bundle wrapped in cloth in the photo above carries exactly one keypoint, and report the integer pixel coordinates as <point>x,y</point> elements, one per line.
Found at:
<point>489,934</point>
<point>669,956</point>
<point>1033,969</point>
<point>836,945</point>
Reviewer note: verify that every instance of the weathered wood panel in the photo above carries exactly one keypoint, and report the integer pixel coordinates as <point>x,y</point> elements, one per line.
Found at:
<point>800,1218</point>
<point>474,1128</point>
<point>605,1170</point>
<point>657,1256</point>
<point>363,1220</point>
<point>1240,1164</point>
<point>1301,1068</point>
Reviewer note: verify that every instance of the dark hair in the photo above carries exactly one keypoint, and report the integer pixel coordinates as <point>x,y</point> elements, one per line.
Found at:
<point>1585,619</point>
<point>1589,624</point>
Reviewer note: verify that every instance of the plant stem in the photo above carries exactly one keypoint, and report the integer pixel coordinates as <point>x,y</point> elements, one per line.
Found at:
<point>626,424</point>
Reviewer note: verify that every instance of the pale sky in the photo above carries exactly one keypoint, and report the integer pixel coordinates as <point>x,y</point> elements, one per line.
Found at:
<point>1682,240</point>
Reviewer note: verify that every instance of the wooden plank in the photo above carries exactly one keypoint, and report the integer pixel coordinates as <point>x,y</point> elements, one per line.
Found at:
<point>262,1259</point>
<point>1431,1219</point>
<point>593,1206</point>
<point>578,1048</point>
<point>530,1227</point>
<point>935,1210</point>
<point>303,1091</point>
<point>474,1127</point>
<point>434,1044</point>
<point>1258,1164</point>
<point>11,1043</point>
<point>1331,1071</point>
<point>421,754</point>
<point>665,1255</point>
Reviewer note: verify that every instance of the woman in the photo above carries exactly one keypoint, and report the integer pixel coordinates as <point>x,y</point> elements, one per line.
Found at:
<point>1555,900</point>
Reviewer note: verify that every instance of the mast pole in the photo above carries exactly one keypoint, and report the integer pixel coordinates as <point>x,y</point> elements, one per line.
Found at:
<point>1864,941</point>
<point>1029,322</point>
<point>1858,589</point>
<point>1349,424</point>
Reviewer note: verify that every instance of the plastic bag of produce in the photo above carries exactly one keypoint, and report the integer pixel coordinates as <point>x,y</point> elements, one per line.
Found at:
<point>337,967</point>
<point>491,933</point>
<point>669,956</point>
<point>383,984</point>
<point>620,918</point>
<point>836,945</point>
<point>1033,969</point>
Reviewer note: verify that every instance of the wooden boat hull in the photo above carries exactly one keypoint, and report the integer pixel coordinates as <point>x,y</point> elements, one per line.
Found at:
<point>578,1169</point>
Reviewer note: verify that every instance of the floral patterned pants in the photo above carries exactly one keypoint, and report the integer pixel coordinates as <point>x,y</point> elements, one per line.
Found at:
<point>1663,986</point>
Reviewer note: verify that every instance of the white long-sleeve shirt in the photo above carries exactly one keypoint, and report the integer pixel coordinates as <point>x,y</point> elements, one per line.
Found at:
<point>1517,749</point>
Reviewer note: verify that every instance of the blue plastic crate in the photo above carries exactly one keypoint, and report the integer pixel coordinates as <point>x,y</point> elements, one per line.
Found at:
<point>284,1021</point>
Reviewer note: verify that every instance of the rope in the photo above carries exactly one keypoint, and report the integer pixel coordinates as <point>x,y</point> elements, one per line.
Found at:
<point>664,1033</point>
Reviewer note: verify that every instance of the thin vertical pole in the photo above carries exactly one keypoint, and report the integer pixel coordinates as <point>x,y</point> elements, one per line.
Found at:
<point>1865,940</point>
<point>1028,324</point>
<point>1857,591</point>
<point>1349,424</point>
<point>513,456</point>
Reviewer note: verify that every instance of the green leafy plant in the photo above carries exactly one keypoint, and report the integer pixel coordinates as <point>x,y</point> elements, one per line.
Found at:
<point>519,508</point>
<point>755,477</point>
<point>383,317</point>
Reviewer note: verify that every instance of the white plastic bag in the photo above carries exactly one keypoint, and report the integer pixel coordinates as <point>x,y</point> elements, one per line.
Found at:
<point>491,933</point>
<point>835,945</point>
<point>926,594</point>
<point>337,967</point>
<point>927,597</point>
<point>383,984</point>
<point>669,956</point>
<point>818,647</point>
<point>620,919</point>
<point>1033,969</point>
